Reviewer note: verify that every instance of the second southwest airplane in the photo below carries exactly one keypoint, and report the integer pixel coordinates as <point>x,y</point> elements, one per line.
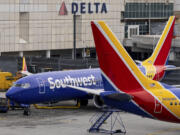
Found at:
<point>52,86</point>
<point>128,88</point>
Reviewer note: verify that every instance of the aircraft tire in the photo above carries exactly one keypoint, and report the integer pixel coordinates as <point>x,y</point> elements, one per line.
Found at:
<point>26,112</point>
<point>83,102</point>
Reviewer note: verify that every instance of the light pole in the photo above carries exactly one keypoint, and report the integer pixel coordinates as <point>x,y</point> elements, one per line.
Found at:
<point>74,36</point>
<point>149,18</point>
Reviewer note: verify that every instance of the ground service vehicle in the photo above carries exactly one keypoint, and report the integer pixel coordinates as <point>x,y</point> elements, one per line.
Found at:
<point>3,105</point>
<point>6,80</point>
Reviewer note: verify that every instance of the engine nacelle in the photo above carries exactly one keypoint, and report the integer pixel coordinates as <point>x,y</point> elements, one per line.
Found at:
<point>98,102</point>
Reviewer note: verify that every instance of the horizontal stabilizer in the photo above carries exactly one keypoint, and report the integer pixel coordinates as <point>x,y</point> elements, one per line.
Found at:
<point>172,68</point>
<point>117,96</point>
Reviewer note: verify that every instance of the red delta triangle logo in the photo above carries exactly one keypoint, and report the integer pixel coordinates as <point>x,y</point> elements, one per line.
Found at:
<point>63,9</point>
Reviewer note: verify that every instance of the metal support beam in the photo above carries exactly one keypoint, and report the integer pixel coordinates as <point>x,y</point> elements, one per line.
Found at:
<point>74,37</point>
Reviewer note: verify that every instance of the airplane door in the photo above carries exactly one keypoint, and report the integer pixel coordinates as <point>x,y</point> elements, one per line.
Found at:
<point>41,86</point>
<point>158,106</point>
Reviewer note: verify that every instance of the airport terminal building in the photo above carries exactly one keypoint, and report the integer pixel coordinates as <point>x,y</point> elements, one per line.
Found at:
<point>47,27</point>
<point>61,28</point>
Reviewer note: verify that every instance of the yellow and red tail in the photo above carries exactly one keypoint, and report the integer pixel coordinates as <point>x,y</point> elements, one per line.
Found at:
<point>24,70</point>
<point>161,52</point>
<point>122,73</point>
<point>115,63</point>
<point>24,66</point>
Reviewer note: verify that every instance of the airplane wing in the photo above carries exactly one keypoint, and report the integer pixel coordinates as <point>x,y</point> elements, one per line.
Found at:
<point>113,95</point>
<point>177,86</point>
<point>90,91</point>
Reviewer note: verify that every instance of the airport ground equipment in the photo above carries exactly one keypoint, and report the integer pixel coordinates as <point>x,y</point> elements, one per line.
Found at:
<point>100,118</point>
<point>3,105</point>
<point>7,80</point>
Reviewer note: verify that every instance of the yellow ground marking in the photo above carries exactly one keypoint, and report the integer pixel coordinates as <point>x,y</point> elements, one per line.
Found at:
<point>57,107</point>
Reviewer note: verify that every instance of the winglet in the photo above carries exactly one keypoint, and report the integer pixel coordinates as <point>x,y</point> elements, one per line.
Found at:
<point>24,70</point>
<point>161,52</point>
<point>24,66</point>
<point>115,63</point>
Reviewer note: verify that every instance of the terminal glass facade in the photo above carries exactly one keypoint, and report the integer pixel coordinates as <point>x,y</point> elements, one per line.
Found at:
<point>144,15</point>
<point>148,10</point>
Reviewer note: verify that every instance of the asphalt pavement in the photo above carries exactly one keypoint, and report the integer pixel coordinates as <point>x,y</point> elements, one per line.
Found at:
<point>76,122</point>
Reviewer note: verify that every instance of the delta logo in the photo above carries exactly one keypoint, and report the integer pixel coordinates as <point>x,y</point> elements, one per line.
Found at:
<point>83,8</point>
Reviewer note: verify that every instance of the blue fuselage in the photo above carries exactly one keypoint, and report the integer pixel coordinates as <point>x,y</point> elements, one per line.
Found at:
<point>51,86</point>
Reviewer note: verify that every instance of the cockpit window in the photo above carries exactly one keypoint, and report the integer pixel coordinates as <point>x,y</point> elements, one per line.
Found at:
<point>16,85</point>
<point>9,78</point>
<point>23,85</point>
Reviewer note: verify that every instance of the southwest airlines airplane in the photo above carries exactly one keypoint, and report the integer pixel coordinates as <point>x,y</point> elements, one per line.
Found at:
<point>53,86</point>
<point>128,88</point>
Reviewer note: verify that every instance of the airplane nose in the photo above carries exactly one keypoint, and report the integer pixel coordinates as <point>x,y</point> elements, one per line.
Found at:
<point>10,94</point>
<point>18,95</point>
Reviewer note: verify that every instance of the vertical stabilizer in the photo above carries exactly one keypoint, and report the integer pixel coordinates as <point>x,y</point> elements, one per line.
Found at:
<point>116,65</point>
<point>123,74</point>
<point>24,70</point>
<point>161,52</point>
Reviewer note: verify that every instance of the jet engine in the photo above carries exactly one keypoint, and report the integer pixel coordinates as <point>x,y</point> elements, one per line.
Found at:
<point>98,101</point>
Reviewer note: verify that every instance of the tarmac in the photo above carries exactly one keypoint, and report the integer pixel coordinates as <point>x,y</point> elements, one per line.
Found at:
<point>76,122</point>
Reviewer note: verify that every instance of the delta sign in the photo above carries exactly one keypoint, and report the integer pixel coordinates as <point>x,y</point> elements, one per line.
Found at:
<point>83,8</point>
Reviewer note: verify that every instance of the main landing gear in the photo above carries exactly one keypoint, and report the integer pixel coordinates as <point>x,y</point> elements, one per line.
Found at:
<point>83,102</point>
<point>27,111</point>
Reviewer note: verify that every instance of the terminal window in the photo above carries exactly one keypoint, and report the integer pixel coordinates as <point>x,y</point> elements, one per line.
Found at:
<point>144,15</point>
<point>148,10</point>
<point>24,26</point>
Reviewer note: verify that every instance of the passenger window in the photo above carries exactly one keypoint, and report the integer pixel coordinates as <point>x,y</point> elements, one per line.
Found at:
<point>171,103</point>
<point>175,103</point>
